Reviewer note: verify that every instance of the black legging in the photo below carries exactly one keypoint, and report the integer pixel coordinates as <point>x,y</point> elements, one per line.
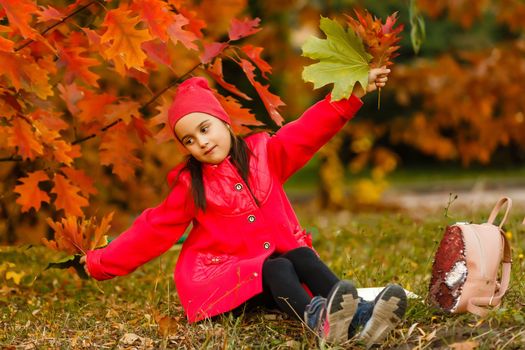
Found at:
<point>282,277</point>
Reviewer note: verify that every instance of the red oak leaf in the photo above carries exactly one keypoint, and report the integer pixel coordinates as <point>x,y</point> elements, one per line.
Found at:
<point>215,71</point>
<point>240,117</point>
<point>241,29</point>
<point>67,196</point>
<point>80,179</point>
<point>31,196</point>
<point>156,15</point>
<point>177,34</point>
<point>255,55</point>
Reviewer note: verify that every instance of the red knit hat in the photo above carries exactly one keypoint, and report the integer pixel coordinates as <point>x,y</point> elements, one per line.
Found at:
<point>195,95</point>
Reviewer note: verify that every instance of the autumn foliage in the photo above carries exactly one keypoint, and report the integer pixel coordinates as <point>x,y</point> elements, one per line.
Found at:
<point>85,88</point>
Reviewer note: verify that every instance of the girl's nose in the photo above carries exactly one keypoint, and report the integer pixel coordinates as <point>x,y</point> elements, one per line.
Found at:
<point>203,141</point>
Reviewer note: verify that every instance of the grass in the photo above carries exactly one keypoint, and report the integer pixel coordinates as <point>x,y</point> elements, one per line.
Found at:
<point>55,309</point>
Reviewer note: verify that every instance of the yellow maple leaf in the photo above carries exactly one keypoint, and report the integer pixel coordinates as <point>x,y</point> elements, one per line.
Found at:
<point>124,39</point>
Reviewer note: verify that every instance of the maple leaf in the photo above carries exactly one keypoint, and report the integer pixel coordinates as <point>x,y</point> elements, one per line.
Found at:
<point>215,71</point>
<point>31,196</point>
<point>271,102</point>
<point>116,149</point>
<point>240,117</point>
<point>23,138</point>
<point>67,196</point>
<point>156,15</point>
<point>343,60</point>
<point>124,39</point>
<point>78,66</point>
<point>241,29</point>
<point>19,14</point>
<point>164,134</point>
<point>80,179</point>
<point>379,39</point>
<point>255,55</point>
<point>177,34</point>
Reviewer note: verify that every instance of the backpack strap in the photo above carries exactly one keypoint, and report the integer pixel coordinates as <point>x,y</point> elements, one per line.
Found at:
<point>497,208</point>
<point>478,305</point>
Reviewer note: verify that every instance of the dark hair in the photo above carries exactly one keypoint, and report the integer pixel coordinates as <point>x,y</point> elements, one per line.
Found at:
<point>240,157</point>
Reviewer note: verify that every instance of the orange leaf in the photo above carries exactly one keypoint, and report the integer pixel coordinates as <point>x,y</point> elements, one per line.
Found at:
<point>6,44</point>
<point>31,196</point>
<point>116,149</point>
<point>141,129</point>
<point>49,14</point>
<point>164,134</point>
<point>79,178</point>
<point>156,15</point>
<point>212,50</point>
<point>67,196</point>
<point>93,107</point>
<point>240,117</point>
<point>19,14</point>
<point>125,41</point>
<point>25,74</point>
<point>71,94</point>
<point>23,138</point>
<point>78,66</point>
<point>124,110</point>
<point>67,235</point>
<point>177,34</point>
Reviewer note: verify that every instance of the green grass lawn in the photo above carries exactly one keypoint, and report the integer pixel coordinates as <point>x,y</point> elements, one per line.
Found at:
<point>55,309</point>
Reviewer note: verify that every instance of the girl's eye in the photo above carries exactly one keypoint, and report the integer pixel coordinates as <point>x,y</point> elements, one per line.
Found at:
<point>204,129</point>
<point>188,141</point>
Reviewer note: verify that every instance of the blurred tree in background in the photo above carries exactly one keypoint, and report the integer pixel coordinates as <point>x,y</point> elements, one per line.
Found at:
<point>82,119</point>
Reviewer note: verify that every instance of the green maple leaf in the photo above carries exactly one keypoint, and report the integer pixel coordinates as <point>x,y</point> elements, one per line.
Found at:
<point>343,60</point>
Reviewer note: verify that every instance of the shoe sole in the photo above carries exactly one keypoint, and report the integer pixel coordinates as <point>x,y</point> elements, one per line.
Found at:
<point>342,305</point>
<point>388,312</point>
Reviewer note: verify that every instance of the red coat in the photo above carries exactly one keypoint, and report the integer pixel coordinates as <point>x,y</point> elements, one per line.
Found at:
<point>221,261</point>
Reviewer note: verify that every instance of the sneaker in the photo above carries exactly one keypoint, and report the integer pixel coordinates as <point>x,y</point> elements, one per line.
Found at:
<point>332,316</point>
<point>389,307</point>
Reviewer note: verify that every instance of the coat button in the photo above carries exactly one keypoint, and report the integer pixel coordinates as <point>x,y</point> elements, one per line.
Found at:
<point>238,186</point>
<point>251,218</point>
<point>266,245</point>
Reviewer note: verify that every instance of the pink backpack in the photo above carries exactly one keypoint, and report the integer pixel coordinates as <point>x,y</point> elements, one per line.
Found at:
<point>467,263</point>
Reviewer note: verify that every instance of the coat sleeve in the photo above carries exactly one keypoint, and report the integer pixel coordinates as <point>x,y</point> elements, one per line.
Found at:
<point>295,143</point>
<point>151,234</point>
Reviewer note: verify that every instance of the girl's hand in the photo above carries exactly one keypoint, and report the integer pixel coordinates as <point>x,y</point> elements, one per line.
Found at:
<point>83,262</point>
<point>377,78</point>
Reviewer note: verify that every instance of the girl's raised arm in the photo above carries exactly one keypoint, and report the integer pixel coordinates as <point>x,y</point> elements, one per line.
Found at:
<point>296,142</point>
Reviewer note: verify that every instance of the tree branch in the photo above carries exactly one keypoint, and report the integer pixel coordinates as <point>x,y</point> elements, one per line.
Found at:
<point>30,41</point>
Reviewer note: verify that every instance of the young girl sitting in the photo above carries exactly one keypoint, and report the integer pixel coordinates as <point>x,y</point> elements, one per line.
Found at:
<point>246,245</point>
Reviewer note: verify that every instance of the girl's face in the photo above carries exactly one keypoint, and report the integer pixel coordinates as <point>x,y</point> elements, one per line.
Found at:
<point>207,138</point>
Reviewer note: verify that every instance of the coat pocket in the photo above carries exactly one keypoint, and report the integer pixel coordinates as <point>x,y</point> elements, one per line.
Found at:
<point>208,265</point>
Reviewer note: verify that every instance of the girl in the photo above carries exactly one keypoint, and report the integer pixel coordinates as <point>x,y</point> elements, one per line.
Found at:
<point>246,244</point>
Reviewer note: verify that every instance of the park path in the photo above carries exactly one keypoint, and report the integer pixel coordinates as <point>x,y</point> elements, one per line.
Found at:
<point>475,198</point>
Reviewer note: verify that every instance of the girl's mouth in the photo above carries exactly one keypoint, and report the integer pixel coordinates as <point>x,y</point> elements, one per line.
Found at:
<point>209,151</point>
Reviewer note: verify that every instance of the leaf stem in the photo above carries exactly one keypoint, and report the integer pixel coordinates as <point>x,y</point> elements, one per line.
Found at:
<point>378,98</point>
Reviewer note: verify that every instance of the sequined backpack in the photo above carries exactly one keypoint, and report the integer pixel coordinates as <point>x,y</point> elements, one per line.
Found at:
<point>467,264</point>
